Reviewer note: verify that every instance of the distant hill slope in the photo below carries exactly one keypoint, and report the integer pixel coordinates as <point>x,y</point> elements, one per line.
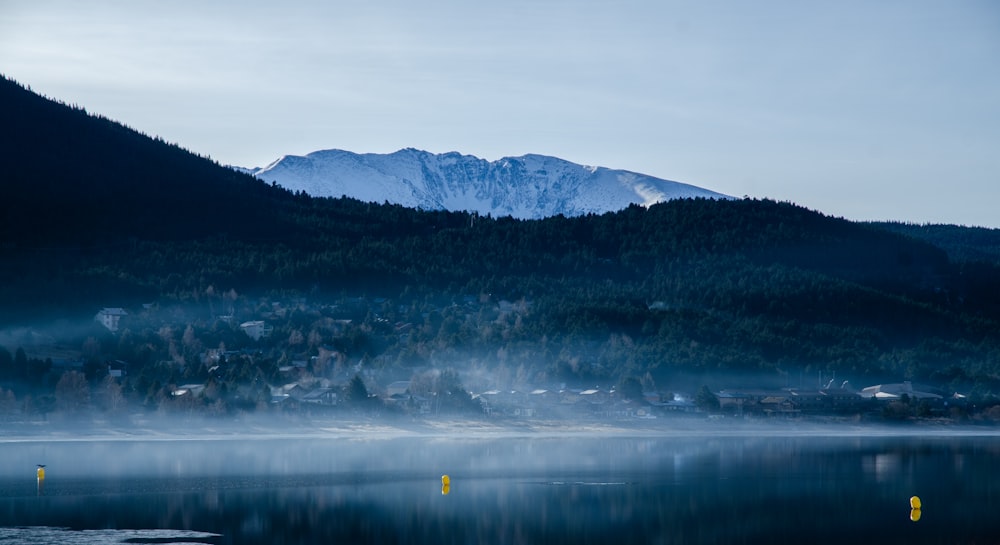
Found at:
<point>527,187</point>
<point>73,178</point>
<point>973,244</point>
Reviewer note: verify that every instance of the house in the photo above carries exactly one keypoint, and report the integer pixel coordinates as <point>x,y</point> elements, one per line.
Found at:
<point>844,398</point>
<point>117,368</point>
<point>109,317</point>
<point>514,402</point>
<point>321,396</point>
<point>489,402</point>
<point>889,392</point>
<point>523,412</point>
<point>398,388</point>
<point>751,400</point>
<point>731,401</point>
<point>594,395</point>
<point>294,371</point>
<point>284,401</point>
<point>807,400</point>
<point>541,396</point>
<point>778,405</point>
<point>652,398</point>
<point>256,329</point>
<point>292,389</point>
<point>188,390</point>
<point>677,403</point>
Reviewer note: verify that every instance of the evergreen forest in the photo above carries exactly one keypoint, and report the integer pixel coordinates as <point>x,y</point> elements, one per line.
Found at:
<point>96,214</point>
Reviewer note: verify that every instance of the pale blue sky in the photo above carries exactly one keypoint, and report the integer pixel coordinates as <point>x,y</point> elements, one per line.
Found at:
<point>861,109</point>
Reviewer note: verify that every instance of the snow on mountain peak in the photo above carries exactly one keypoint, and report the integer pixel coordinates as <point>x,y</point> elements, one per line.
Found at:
<point>526,187</point>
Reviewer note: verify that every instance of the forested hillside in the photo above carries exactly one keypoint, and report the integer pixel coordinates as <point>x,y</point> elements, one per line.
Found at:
<point>97,215</point>
<point>965,244</point>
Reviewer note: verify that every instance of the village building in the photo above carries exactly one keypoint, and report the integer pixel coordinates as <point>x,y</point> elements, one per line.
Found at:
<point>890,392</point>
<point>321,396</point>
<point>110,317</point>
<point>256,329</point>
<point>192,390</point>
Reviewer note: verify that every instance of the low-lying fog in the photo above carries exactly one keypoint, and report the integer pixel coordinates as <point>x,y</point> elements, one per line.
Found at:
<point>558,486</point>
<point>459,450</point>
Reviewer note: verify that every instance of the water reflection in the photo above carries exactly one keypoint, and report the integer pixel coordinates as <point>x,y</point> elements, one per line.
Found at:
<point>515,490</point>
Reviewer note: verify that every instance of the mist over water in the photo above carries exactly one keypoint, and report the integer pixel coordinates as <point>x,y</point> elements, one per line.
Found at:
<point>508,488</point>
<point>271,477</point>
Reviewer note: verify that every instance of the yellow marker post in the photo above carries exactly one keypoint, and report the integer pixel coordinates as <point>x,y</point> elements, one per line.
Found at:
<point>40,473</point>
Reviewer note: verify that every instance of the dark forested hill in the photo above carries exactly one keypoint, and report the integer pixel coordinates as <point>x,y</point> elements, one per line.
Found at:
<point>96,214</point>
<point>968,244</point>
<point>73,179</point>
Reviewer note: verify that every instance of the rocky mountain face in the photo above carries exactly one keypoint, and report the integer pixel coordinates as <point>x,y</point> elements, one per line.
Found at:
<point>526,187</point>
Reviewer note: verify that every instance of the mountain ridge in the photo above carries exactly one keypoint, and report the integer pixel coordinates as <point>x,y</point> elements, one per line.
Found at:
<point>530,186</point>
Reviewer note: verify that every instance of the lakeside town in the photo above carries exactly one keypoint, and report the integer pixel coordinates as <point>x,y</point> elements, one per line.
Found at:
<point>296,359</point>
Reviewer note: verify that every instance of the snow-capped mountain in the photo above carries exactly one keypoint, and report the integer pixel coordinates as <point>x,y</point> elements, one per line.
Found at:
<point>526,187</point>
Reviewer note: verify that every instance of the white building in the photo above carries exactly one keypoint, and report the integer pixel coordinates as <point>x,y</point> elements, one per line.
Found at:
<point>256,329</point>
<point>109,317</point>
<point>889,392</point>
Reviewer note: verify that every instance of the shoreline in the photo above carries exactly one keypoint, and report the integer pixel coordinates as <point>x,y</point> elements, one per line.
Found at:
<point>155,427</point>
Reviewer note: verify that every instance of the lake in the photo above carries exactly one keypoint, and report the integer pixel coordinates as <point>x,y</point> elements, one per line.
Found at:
<point>507,488</point>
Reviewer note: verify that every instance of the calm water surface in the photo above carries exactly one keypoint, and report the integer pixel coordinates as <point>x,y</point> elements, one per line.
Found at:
<point>670,490</point>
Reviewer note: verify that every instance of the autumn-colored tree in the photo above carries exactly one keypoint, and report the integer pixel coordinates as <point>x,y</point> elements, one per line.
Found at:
<point>113,395</point>
<point>8,404</point>
<point>72,392</point>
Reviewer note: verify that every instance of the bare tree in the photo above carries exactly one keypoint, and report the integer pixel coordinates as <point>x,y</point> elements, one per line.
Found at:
<point>72,392</point>
<point>113,393</point>
<point>8,404</point>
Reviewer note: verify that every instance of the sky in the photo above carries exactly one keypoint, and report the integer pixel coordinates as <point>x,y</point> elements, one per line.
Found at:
<point>885,110</point>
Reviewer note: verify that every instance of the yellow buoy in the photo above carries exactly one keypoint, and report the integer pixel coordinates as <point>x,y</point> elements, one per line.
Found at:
<point>445,485</point>
<point>914,515</point>
<point>41,472</point>
<point>915,502</point>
